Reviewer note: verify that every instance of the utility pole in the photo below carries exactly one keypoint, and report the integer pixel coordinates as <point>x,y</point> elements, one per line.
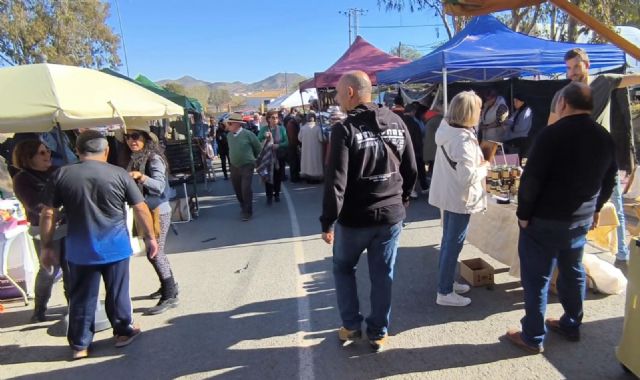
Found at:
<point>400,49</point>
<point>353,12</point>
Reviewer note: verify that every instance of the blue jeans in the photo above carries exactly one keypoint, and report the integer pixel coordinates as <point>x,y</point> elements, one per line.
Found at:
<point>381,243</point>
<point>542,245</point>
<point>454,231</point>
<point>616,198</point>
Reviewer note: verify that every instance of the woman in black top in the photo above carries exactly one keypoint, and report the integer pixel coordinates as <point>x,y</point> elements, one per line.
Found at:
<point>33,159</point>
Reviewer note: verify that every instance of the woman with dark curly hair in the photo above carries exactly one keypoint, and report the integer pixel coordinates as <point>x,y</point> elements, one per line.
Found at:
<point>33,159</point>
<point>148,167</point>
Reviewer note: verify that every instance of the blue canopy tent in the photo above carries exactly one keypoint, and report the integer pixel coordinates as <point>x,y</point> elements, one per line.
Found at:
<point>486,49</point>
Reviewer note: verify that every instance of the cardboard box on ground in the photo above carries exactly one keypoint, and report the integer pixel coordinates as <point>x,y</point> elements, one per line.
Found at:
<point>477,272</point>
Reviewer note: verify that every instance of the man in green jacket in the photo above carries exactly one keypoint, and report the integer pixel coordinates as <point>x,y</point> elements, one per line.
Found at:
<point>244,148</point>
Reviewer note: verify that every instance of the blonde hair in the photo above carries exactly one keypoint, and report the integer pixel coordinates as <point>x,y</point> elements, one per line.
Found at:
<point>464,109</point>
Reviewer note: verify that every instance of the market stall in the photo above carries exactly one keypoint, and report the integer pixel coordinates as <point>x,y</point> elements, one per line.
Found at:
<point>46,97</point>
<point>495,232</point>
<point>486,49</point>
<point>361,55</point>
<point>184,149</point>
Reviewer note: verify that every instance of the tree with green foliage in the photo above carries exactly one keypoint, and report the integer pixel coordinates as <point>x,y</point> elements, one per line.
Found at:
<point>527,20</point>
<point>176,88</point>
<point>218,98</point>
<point>57,31</point>
<point>199,92</point>
<point>406,52</point>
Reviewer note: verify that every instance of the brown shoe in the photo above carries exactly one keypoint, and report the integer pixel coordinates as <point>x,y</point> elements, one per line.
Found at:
<point>80,354</point>
<point>515,337</point>
<point>125,340</point>
<point>346,335</point>
<point>553,324</point>
<point>379,343</point>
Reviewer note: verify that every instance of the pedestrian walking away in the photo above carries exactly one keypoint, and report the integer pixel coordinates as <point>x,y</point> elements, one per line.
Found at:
<point>369,179</point>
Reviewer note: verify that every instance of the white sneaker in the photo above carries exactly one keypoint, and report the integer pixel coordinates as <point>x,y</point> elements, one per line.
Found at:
<point>452,299</point>
<point>414,195</point>
<point>460,288</point>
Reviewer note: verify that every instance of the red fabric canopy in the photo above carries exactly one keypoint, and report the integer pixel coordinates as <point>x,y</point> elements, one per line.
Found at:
<point>361,55</point>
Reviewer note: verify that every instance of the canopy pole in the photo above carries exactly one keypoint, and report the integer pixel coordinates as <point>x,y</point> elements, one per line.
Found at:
<point>302,101</point>
<point>445,92</point>
<point>61,143</point>
<point>193,166</point>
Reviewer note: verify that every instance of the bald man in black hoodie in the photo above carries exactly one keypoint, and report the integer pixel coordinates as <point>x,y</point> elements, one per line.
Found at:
<point>369,178</point>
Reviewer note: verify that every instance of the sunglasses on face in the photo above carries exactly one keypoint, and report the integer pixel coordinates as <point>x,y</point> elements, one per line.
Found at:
<point>132,136</point>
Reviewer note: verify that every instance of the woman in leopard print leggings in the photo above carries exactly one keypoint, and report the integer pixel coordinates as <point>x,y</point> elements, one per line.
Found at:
<point>148,168</point>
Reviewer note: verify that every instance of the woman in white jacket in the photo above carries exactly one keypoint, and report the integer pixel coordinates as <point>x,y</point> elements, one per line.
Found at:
<point>457,188</point>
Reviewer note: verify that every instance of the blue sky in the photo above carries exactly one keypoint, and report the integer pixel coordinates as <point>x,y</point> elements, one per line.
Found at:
<point>248,40</point>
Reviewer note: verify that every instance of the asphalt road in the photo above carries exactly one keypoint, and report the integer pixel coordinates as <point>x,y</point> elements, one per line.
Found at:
<point>257,301</point>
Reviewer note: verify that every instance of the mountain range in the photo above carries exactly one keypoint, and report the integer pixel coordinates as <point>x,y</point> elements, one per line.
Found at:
<point>274,82</point>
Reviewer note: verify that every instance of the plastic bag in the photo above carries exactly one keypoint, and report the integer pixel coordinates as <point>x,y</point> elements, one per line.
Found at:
<point>603,276</point>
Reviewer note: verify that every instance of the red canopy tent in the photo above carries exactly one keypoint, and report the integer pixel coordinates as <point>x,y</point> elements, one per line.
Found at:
<point>361,55</point>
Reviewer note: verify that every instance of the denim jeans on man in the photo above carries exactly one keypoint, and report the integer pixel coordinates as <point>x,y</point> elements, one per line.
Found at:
<point>616,199</point>
<point>381,243</point>
<point>454,231</point>
<point>541,245</point>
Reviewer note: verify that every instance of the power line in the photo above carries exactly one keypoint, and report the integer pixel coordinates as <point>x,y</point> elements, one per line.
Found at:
<point>353,12</point>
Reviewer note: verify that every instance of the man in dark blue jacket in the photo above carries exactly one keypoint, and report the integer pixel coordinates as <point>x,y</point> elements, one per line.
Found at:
<point>569,176</point>
<point>370,175</point>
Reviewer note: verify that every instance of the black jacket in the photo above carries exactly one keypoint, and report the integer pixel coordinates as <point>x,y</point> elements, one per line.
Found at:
<point>371,169</point>
<point>570,172</point>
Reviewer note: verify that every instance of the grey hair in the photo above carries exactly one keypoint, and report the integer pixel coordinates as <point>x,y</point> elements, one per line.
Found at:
<point>91,142</point>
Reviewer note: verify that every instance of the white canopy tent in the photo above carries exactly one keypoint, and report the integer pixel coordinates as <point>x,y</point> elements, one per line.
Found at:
<point>295,99</point>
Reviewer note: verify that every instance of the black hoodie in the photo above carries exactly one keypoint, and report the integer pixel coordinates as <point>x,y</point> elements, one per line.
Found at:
<point>364,186</point>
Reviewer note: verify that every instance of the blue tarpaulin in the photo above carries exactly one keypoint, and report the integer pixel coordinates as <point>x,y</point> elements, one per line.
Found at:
<point>486,49</point>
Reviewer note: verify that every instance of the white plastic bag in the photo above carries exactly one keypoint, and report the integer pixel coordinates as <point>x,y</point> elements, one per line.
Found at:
<point>603,276</point>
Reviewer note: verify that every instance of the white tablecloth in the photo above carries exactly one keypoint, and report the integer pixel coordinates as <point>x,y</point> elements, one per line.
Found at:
<point>22,260</point>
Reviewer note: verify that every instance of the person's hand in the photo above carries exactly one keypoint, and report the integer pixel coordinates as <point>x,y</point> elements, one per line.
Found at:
<point>487,164</point>
<point>267,135</point>
<point>136,175</point>
<point>596,220</point>
<point>328,237</point>
<point>152,247</point>
<point>523,223</point>
<point>49,259</point>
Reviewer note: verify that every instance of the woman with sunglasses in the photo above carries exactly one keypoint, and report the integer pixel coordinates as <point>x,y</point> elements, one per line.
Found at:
<point>148,167</point>
<point>33,159</point>
<point>277,134</point>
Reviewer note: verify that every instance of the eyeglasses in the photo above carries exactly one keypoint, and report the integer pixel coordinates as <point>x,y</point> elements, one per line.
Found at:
<point>132,136</point>
<point>273,117</point>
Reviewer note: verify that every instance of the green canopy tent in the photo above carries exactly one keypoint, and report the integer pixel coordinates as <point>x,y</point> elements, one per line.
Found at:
<point>190,105</point>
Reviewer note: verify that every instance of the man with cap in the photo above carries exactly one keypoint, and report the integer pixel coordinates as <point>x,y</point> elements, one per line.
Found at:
<point>93,194</point>
<point>244,149</point>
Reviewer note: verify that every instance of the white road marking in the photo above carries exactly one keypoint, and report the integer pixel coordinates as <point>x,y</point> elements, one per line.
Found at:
<point>305,357</point>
